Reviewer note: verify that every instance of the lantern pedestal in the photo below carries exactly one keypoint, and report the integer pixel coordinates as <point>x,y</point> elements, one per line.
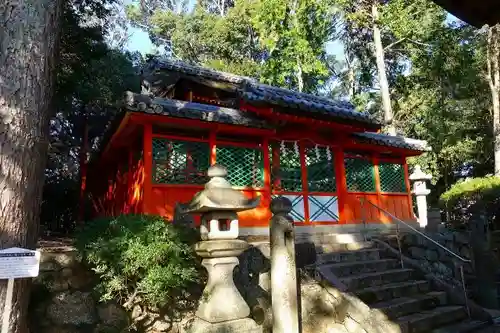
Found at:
<point>221,300</point>
<point>222,309</point>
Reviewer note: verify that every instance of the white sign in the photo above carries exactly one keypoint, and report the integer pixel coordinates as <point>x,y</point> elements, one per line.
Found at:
<point>16,263</point>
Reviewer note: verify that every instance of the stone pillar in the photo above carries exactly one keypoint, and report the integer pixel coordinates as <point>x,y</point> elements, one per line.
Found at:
<point>284,297</point>
<point>420,191</point>
<point>485,261</point>
<point>434,220</point>
<point>222,309</point>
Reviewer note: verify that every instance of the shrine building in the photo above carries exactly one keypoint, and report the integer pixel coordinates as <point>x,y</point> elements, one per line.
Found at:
<point>320,153</point>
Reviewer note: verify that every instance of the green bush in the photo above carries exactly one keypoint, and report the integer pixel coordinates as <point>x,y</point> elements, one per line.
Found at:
<point>465,198</point>
<point>139,257</point>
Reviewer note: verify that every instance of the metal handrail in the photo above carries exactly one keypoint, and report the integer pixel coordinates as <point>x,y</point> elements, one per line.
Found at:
<point>417,231</point>
<point>463,260</point>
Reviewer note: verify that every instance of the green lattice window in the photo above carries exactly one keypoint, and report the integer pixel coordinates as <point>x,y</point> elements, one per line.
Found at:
<point>320,170</point>
<point>180,162</point>
<point>289,171</point>
<point>392,177</point>
<point>359,175</point>
<point>245,166</point>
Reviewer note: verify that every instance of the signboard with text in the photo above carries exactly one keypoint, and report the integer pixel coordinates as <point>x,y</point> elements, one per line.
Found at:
<point>16,263</point>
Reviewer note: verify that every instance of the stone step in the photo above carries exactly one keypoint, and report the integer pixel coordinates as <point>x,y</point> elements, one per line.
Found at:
<point>392,290</point>
<point>359,267</point>
<point>373,279</point>
<point>344,256</point>
<point>466,326</point>
<point>342,247</point>
<point>403,306</point>
<point>425,321</point>
<point>328,238</point>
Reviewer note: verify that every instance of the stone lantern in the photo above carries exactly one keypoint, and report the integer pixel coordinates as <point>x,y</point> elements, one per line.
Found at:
<point>420,190</point>
<point>222,309</point>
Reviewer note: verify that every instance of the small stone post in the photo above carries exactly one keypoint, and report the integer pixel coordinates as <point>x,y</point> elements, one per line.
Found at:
<point>485,261</point>
<point>420,191</point>
<point>222,309</point>
<point>284,297</point>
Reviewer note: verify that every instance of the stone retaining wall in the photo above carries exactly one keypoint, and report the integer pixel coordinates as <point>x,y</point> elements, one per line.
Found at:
<point>436,260</point>
<point>62,300</point>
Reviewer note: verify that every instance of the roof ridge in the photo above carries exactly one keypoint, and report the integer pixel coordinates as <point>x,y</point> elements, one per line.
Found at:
<point>250,89</point>
<point>181,63</point>
<point>286,90</point>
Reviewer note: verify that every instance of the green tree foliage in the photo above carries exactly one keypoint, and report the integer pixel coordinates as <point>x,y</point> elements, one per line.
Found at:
<point>140,258</point>
<point>91,77</point>
<point>281,42</point>
<point>466,198</point>
<point>445,101</point>
<point>436,71</point>
<point>436,76</point>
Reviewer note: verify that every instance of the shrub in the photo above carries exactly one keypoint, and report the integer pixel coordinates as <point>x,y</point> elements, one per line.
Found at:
<point>464,198</point>
<point>139,258</point>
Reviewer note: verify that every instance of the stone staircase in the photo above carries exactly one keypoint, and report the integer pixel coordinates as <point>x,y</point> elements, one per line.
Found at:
<point>403,295</point>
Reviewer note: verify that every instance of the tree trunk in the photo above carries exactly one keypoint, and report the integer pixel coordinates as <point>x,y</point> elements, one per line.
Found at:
<point>29,31</point>
<point>382,75</point>
<point>300,80</point>
<point>493,55</point>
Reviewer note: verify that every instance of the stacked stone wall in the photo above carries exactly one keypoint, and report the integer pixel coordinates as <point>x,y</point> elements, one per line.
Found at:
<point>62,299</point>
<point>435,259</point>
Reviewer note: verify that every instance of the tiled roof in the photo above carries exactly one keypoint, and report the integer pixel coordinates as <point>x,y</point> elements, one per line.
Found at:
<point>392,141</point>
<point>182,67</point>
<point>306,102</point>
<point>252,91</point>
<point>190,110</point>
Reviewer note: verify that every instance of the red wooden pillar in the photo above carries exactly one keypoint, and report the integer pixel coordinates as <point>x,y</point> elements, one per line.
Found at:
<point>212,146</point>
<point>83,170</point>
<point>305,185</point>
<point>267,169</point>
<point>148,168</point>
<point>340,175</point>
<point>381,216</point>
<point>130,181</point>
<point>408,188</point>
<point>276,166</point>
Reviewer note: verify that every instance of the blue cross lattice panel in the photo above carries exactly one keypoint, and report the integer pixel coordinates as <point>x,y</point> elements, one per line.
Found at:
<point>323,208</point>
<point>297,213</point>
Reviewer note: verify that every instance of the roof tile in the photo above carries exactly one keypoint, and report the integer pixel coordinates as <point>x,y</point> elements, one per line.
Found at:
<point>252,91</point>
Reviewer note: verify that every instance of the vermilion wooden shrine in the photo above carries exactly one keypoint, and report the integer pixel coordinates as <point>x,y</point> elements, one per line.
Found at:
<point>321,154</point>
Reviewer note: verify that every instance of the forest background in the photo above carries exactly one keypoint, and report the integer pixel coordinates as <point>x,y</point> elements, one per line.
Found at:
<point>424,73</point>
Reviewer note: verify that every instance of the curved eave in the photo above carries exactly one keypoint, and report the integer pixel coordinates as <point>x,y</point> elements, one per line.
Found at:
<point>476,13</point>
<point>411,146</point>
<point>195,111</point>
<point>312,109</point>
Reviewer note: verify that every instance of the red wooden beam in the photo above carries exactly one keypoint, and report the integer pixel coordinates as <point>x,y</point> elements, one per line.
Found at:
<point>213,147</point>
<point>305,185</point>
<point>408,187</point>
<point>378,189</point>
<point>340,175</point>
<point>123,125</point>
<point>267,165</point>
<point>148,167</point>
<point>143,118</point>
<point>299,119</point>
